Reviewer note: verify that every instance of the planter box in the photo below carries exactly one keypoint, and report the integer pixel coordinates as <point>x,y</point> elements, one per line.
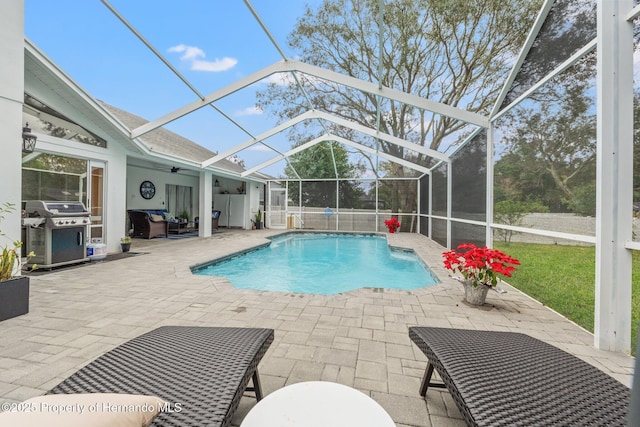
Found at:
<point>14,297</point>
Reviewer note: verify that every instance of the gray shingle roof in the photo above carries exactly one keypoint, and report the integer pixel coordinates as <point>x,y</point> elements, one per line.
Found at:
<point>163,141</point>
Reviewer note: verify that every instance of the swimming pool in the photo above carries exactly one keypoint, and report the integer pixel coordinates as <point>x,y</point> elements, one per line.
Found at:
<point>322,263</point>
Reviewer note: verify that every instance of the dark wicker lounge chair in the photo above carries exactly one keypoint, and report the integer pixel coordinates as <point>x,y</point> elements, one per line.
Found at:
<point>205,370</point>
<point>145,227</point>
<point>512,379</point>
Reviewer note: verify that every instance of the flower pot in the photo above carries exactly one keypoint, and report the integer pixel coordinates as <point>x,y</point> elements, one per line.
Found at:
<point>14,297</point>
<point>125,247</point>
<point>475,295</point>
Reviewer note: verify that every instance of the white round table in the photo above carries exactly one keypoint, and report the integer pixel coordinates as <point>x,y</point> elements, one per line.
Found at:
<point>317,404</point>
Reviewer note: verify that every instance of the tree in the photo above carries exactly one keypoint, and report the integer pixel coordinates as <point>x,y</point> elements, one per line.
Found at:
<point>550,146</point>
<point>636,146</point>
<point>318,162</point>
<point>512,212</point>
<point>453,51</point>
<point>237,160</point>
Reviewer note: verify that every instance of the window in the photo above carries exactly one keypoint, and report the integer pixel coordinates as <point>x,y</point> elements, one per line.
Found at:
<point>46,120</point>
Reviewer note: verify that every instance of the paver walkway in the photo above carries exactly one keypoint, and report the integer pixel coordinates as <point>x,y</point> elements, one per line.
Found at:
<point>359,338</point>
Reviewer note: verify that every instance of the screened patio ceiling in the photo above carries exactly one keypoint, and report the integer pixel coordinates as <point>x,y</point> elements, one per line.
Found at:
<point>364,141</point>
<point>547,123</point>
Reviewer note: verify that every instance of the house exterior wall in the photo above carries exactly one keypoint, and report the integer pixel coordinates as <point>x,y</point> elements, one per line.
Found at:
<point>160,178</point>
<point>25,69</point>
<point>11,95</point>
<point>115,160</point>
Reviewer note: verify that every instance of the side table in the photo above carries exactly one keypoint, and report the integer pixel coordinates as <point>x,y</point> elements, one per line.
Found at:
<point>317,404</point>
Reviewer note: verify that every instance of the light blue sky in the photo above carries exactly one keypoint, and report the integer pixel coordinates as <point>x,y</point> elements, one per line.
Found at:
<point>211,42</point>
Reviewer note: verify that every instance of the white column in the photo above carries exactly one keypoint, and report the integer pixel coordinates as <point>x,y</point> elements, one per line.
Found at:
<point>614,195</point>
<point>11,99</point>
<point>489,189</point>
<point>449,200</point>
<point>430,207</point>
<point>206,202</point>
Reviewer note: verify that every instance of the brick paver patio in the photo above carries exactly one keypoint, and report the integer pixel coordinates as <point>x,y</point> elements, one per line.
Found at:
<point>359,338</point>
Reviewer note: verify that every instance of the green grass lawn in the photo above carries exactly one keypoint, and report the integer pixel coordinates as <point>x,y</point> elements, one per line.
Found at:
<point>562,278</point>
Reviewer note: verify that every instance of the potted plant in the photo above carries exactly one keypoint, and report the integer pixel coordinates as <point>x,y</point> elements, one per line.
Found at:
<point>258,221</point>
<point>14,288</point>
<point>392,224</point>
<point>125,243</point>
<point>480,268</point>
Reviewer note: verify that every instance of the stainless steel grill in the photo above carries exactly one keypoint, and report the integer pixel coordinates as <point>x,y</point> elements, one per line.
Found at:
<point>56,232</point>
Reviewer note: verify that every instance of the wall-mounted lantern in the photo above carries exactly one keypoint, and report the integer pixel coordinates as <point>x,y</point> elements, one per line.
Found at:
<point>28,140</point>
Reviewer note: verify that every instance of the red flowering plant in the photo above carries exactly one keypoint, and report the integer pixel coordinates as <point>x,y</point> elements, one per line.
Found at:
<point>480,266</point>
<point>392,224</point>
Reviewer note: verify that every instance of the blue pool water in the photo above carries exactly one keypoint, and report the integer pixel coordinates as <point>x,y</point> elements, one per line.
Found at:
<point>327,264</point>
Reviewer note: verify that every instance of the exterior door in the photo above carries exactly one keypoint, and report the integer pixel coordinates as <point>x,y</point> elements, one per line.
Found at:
<point>276,215</point>
<point>95,201</point>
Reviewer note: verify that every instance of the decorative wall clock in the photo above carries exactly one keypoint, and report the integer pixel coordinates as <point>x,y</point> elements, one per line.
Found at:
<point>147,189</point>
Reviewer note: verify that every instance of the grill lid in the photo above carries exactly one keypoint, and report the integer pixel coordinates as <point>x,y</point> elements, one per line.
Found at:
<point>40,208</point>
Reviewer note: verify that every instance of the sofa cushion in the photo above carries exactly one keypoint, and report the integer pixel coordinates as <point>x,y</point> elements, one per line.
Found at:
<point>84,410</point>
<point>152,211</point>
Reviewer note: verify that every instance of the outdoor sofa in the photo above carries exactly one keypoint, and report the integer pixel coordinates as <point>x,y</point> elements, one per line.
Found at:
<point>200,372</point>
<point>512,379</point>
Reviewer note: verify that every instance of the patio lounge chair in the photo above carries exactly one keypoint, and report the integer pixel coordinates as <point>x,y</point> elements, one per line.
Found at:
<point>146,226</point>
<point>509,379</point>
<point>202,372</point>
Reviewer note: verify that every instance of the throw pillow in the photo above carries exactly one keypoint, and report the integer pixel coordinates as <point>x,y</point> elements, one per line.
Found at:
<point>84,410</point>
<point>156,218</point>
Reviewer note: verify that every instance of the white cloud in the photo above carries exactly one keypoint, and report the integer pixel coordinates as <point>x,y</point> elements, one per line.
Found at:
<point>191,54</point>
<point>260,147</point>
<point>223,64</point>
<point>249,111</point>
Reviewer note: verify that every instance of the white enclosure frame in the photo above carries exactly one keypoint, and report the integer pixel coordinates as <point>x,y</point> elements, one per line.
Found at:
<point>613,239</point>
<point>614,148</point>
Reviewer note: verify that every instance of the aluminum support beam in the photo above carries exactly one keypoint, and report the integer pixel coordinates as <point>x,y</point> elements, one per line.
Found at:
<point>614,172</point>
<point>449,203</point>
<point>289,66</point>
<point>331,137</point>
<point>533,34</point>
<point>553,74</point>
<point>230,152</point>
<point>389,157</point>
<point>489,187</point>
<point>168,64</point>
<point>393,94</point>
<point>383,136</point>
<point>309,115</point>
<point>289,153</point>
<point>212,97</point>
